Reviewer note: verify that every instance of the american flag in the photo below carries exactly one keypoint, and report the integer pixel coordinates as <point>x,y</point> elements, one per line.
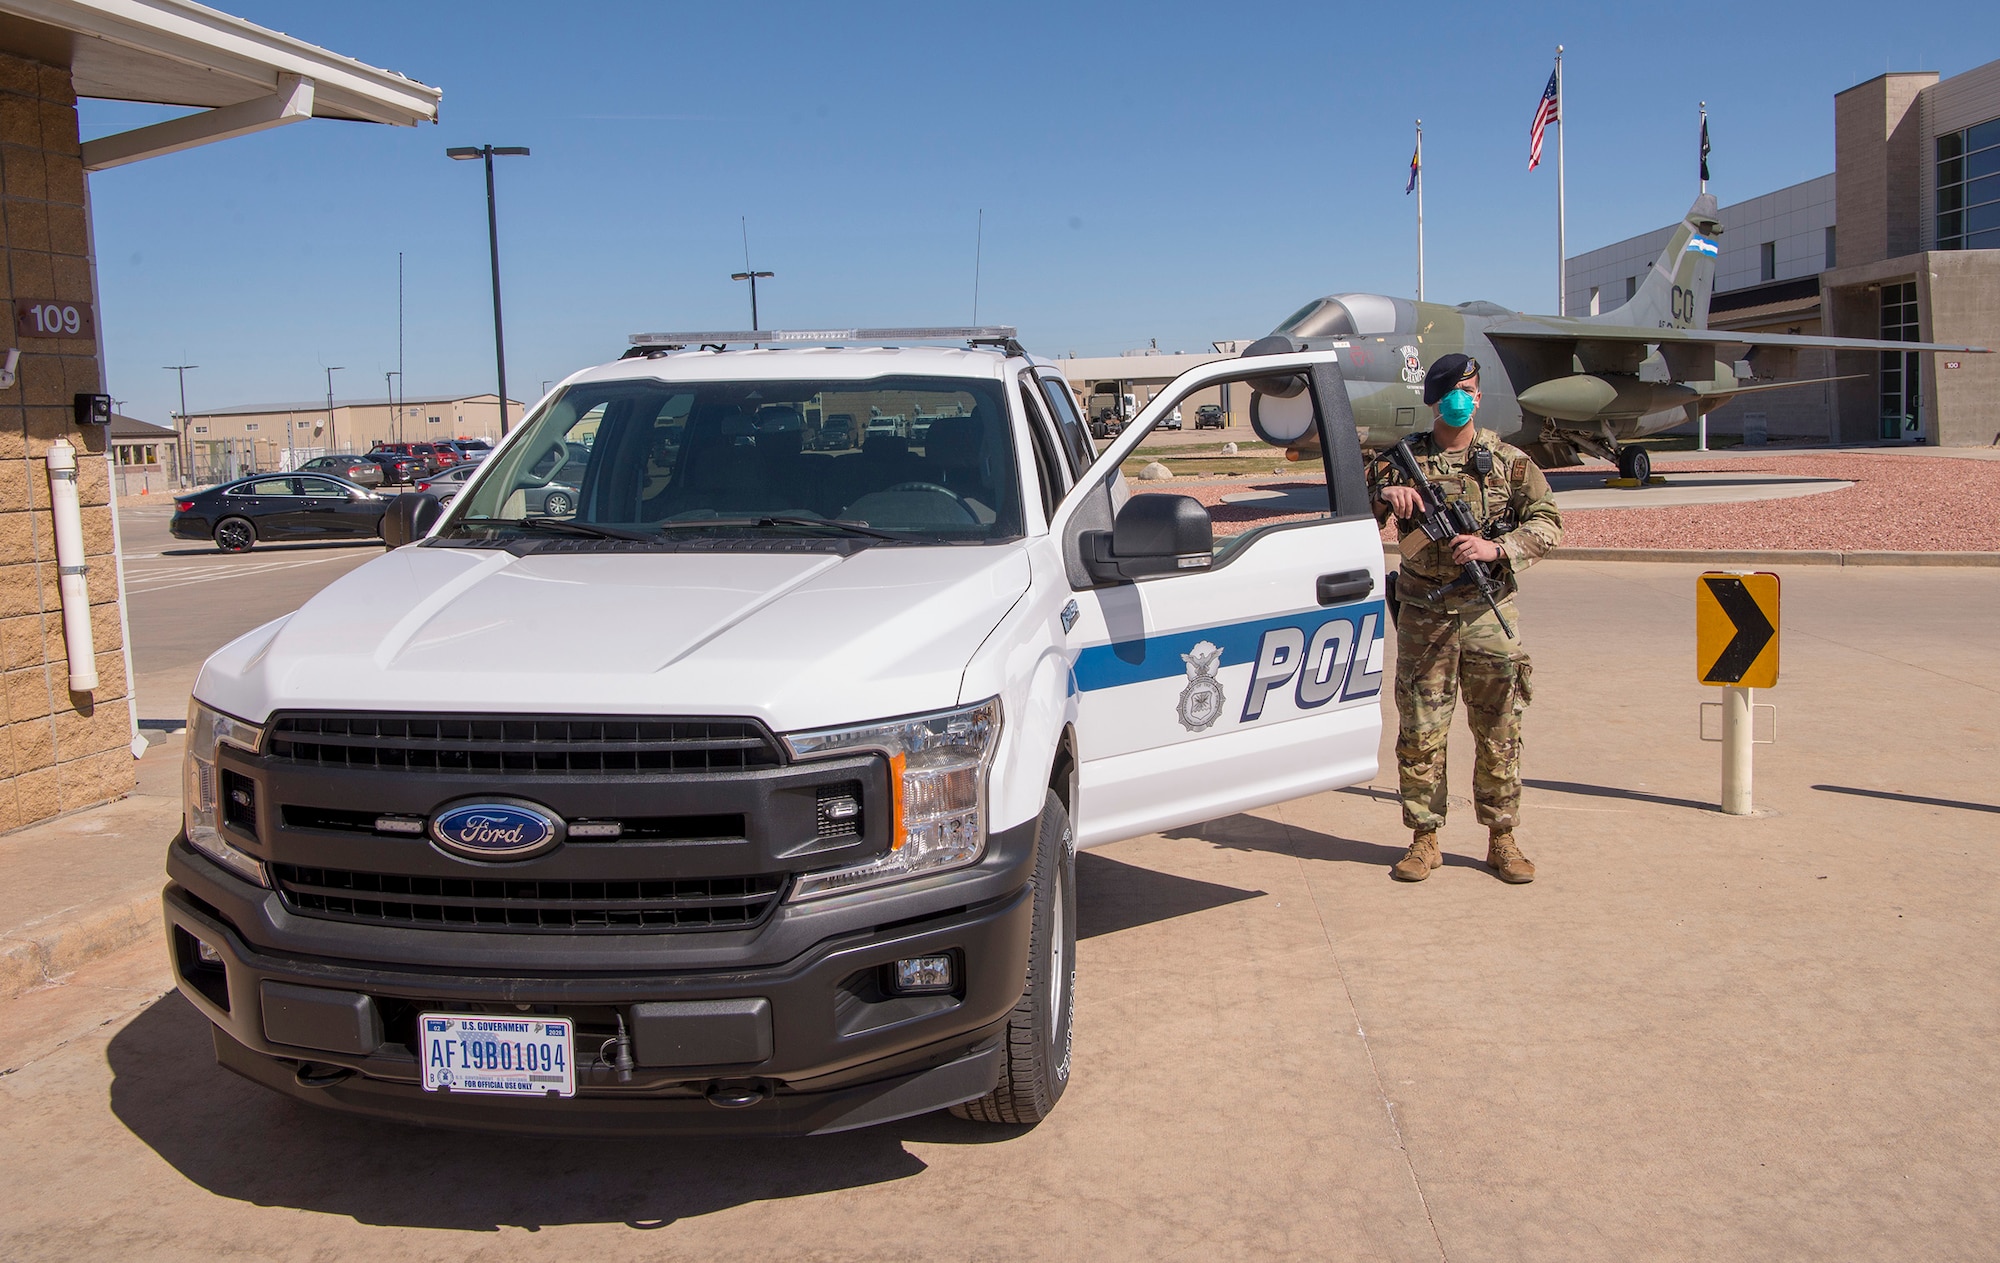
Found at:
<point>1549,108</point>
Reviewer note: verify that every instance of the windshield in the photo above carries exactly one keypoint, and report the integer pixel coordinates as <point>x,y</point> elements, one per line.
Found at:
<point>926,459</point>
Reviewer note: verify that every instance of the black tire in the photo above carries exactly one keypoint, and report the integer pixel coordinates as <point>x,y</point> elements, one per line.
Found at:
<point>1636,463</point>
<point>235,535</point>
<point>1035,1054</point>
<point>556,503</point>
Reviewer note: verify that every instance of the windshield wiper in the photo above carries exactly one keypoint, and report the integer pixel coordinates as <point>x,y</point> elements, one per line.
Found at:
<point>836,525</point>
<point>564,526</point>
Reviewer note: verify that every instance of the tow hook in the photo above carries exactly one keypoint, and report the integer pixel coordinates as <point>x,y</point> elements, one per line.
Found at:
<point>317,1074</point>
<point>619,1050</point>
<point>738,1095</point>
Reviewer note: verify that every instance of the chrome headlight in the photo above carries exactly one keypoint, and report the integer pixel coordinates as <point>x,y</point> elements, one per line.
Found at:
<point>208,731</point>
<point>938,766</point>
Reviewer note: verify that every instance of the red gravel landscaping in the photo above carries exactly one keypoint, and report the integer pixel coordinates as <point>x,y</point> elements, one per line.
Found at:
<point>1897,503</point>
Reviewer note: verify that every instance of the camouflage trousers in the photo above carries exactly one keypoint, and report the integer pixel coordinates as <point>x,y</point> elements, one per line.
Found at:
<point>1440,654</point>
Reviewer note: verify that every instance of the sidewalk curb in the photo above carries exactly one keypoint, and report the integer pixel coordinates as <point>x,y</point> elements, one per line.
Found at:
<point>29,959</point>
<point>1774,557</point>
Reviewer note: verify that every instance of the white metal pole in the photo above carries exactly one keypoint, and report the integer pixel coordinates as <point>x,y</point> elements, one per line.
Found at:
<point>78,642</point>
<point>1736,748</point>
<point>1562,258</point>
<point>138,742</point>
<point>1420,210</point>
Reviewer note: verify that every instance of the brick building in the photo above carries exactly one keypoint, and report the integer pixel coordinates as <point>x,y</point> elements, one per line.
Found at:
<point>59,749</point>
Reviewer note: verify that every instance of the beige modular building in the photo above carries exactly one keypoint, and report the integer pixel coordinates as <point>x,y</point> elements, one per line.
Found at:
<point>70,734</point>
<point>1900,242</point>
<point>252,438</point>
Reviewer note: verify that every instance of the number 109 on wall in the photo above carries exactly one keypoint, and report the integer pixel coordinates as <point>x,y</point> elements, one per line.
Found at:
<point>48,318</point>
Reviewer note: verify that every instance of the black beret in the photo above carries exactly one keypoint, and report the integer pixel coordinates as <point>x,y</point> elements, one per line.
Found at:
<point>1445,375</point>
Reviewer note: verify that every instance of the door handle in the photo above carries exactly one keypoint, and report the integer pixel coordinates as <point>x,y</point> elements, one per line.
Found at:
<point>1344,585</point>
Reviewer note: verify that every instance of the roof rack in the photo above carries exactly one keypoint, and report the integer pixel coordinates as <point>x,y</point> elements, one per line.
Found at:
<point>1001,336</point>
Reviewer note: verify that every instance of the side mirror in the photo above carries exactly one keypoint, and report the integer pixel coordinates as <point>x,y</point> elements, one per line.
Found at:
<point>410,517</point>
<point>1153,535</point>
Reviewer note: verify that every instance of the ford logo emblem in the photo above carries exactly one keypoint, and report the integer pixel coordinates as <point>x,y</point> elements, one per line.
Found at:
<point>497,830</point>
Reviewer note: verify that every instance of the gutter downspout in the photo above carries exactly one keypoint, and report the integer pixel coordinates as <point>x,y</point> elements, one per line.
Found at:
<point>70,568</point>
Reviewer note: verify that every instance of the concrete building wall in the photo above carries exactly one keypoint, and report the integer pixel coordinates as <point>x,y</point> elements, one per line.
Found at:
<point>302,429</point>
<point>1877,142</point>
<point>58,750</point>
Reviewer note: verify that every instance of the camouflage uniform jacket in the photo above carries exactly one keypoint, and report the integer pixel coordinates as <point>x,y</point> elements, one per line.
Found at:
<point>1514,488</point>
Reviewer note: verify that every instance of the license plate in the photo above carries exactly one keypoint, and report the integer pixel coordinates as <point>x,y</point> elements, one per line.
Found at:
<point>498,1056</point>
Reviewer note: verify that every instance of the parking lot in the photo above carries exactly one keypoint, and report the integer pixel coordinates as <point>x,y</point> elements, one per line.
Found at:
<point>1695,1036</point>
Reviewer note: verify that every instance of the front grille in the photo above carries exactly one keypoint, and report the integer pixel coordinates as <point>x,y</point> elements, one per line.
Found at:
<point>631,828</point>
<point>534,745</point>
<point>572,907</point>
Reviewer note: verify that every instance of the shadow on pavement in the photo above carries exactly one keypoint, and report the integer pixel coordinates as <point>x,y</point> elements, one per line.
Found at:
<point>1613,791</point>
<point>1111,896</point>
<point>1254,833</point>
<point>1918,799</point>
<point>242,1142</point>
<point>309,546</point>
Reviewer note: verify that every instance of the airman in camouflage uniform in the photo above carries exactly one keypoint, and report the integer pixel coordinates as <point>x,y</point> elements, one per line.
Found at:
<point>1453,643</point>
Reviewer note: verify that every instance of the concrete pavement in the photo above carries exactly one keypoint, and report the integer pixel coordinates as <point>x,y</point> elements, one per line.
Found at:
<point>1694,1036</point>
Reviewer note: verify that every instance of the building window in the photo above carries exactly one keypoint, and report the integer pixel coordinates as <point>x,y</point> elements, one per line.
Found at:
<point>435,420</point>
<point>1594,300</point>
<point>1767,261</point>
<point>1631,287</point>
<point>201,429</point>
<point>251,426</point>
<point>1902,383</point>
<point>1830,255</point>
<point>1968,188</point>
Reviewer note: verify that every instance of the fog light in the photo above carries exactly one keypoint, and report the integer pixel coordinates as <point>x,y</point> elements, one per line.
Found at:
<point>205,954</point>
<point>922,975</point>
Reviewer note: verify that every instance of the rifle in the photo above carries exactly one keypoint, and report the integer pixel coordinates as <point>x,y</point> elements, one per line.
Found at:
<point>1442,519</point>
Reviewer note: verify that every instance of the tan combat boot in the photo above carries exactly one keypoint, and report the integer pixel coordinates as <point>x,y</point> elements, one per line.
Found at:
<point>1420,859</point>
<point>1505,858</point>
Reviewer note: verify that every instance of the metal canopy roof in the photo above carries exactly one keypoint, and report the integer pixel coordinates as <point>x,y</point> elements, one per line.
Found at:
<point>172,52</point>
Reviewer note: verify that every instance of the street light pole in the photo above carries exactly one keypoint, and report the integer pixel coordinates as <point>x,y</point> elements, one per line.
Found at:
<point>332,435</point>
<point>187,455</point>
<point>389,390</point>
<point>466,153</point>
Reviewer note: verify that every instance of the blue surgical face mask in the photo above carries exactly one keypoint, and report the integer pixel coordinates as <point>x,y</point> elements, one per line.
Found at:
<point>1457,407</point>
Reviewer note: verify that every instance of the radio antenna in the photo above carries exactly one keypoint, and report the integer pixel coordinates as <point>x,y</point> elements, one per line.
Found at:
<point>978,248</point>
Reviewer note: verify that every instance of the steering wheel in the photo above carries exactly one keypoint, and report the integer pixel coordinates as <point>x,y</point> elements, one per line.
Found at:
<point>956,498</point>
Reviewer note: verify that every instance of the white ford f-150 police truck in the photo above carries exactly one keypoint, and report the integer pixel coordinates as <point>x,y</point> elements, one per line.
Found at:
<point>744,793</point>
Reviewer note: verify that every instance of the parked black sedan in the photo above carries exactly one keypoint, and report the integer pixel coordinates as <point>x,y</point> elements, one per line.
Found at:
<point>358,470</point>
<point>395,466</point>
<point>273,507</point>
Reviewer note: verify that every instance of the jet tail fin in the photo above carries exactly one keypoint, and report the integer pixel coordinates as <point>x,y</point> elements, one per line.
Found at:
<point>1675,293</point>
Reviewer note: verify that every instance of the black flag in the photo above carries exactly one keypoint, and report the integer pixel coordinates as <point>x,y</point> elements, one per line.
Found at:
<point>1704,148</point>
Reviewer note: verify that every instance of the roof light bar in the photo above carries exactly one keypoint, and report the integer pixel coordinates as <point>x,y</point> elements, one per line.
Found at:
<point>954,333</point>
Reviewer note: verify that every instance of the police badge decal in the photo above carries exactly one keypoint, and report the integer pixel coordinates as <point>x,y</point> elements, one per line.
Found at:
<point>1201,701</point>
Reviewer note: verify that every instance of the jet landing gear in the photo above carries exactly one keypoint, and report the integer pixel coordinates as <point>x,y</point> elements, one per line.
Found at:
<point>1635,463</point>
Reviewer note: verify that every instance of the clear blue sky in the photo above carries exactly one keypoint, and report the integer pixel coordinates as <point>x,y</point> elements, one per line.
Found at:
<point>1170,171</point>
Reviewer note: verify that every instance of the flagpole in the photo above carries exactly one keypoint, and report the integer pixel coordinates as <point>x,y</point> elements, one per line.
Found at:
<point>1420,210</point>
<point>1701,418</point>
<point>1562,258</point>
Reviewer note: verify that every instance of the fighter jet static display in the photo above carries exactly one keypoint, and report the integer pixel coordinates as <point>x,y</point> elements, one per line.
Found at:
<point>1551,385</point>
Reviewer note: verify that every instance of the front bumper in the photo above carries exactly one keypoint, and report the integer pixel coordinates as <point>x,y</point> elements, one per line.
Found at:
<point>842,1054</point>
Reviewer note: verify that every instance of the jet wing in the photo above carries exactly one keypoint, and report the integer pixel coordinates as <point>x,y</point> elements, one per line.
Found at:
<point>1545,331</point>
<point>1535,350</point>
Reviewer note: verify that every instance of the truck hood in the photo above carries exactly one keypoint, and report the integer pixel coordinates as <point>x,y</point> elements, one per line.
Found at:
<point>797,640</point>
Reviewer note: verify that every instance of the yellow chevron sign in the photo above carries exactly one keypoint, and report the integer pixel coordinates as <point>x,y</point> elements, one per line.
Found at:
<point>1736,629</point>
